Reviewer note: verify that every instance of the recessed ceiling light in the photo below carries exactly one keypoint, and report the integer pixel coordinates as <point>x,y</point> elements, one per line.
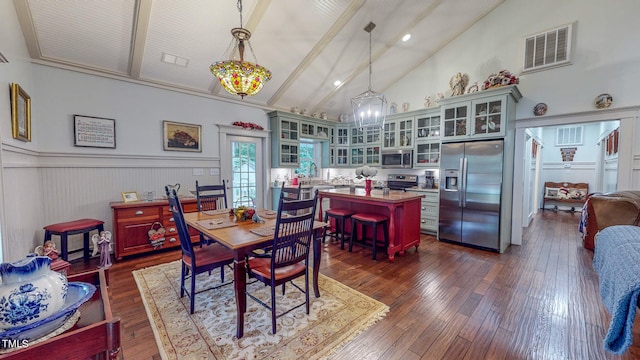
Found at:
<point>337,83</point>
<point>406,37</point>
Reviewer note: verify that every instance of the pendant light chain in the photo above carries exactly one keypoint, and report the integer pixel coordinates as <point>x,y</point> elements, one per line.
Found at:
<point>369,108</point>
<point>240,10</point>
<point>370,60</point>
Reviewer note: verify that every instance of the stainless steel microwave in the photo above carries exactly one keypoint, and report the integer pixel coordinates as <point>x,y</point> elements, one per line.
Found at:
<point>397,159</point>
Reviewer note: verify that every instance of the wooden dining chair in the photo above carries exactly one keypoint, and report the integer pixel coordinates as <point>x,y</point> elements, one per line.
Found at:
<point>196,260</point>
<point>291,192</point>
<point>210,197</point>
<point>289,254</point>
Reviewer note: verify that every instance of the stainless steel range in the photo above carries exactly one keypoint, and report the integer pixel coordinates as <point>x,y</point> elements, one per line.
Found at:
<point>401,181</point>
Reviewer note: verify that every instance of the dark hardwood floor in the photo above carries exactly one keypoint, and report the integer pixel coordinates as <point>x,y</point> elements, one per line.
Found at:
<point>536,301</point>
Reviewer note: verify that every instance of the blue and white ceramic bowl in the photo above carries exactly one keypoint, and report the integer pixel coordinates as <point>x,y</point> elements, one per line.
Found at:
<point>30,291</point>
<point>78,293</point>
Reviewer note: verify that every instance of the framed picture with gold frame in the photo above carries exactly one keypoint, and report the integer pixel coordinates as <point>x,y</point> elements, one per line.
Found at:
<point>130,196</point>
<point>20,113</point>
<point>181,137</point>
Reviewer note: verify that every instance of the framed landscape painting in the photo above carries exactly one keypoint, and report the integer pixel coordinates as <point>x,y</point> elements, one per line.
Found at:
<point>181,137</point>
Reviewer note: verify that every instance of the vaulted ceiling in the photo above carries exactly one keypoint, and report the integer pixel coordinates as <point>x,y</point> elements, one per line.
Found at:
<point>307,44</point>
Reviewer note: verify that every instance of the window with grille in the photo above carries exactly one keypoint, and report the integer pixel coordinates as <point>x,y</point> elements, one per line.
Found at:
<point>569,135</point>
<point>548,49</point>
<point>309,160</point>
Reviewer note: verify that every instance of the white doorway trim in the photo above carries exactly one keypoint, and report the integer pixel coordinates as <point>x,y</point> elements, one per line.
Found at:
<point>226,132</point>
<point>629,118</point>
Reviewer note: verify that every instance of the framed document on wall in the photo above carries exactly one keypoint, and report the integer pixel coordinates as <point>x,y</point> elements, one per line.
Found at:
<point>90,131</point>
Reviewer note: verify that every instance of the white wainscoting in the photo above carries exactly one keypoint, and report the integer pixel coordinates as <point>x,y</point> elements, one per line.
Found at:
<point>42,189</point>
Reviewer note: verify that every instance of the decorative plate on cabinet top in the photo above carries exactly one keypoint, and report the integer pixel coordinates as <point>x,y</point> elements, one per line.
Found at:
<point>540,109</point>
<point>343,117</point>
<point>603,101</point>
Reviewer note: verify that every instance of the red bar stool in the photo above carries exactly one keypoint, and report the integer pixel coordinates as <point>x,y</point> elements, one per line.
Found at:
<point>369,219</point>
<point>341,216</point>
<point>82,226</point>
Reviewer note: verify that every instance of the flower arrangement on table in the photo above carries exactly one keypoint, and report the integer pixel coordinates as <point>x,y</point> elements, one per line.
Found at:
<point>242,213</point>
<point>503,78</point>
<point>247,125</point>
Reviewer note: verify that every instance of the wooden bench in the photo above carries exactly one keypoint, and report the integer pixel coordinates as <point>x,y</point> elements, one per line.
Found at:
<point>565,192</point>
<point>82,226</point>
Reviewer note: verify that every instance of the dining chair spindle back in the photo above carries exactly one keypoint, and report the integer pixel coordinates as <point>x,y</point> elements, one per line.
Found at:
<point>289,252</point>
<point>211,197</point>
<point>199,259</point>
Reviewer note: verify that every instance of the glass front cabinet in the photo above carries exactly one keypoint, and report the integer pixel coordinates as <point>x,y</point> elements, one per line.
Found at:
<point>427,154</point>
<point>478,115</point>
<point>312,130</point>
<point>427,147</point>
<point>285,139</point>
<point>288,129</point>
<point>399,130</point>
<point>428,126</point>
<point>289,154</point>
<point>341,156</point>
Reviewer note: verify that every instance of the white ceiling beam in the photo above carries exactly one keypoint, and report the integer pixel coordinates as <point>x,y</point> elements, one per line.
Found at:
<point>139,31</point>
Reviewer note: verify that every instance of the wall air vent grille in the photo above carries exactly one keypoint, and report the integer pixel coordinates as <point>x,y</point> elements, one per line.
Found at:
<point>569,135</point>
<point>548,49</point>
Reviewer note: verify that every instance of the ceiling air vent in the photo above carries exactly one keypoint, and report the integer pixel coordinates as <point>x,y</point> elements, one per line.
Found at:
<point>548,49</point>
<point>3,59</point>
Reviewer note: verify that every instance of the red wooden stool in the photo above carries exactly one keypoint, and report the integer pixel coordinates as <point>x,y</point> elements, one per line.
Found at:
<point>341,216</point>
<point>70,228</point>
<point>366,219</point>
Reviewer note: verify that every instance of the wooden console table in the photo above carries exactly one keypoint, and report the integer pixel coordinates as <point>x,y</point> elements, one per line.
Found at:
<point>132,222</point>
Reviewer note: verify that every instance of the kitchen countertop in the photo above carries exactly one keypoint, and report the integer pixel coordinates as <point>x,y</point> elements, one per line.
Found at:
<point>419,189</point>
<point>394,196</point>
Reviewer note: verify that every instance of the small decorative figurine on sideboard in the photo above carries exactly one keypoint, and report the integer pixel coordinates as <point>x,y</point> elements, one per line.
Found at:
<point>102,244</point>
<point>48,249</point>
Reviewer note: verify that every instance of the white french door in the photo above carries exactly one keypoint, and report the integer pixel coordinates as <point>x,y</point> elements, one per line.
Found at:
<point>244,172</point>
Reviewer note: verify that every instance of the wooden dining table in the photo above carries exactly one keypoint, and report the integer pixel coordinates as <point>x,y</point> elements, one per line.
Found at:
<point>241,241</point>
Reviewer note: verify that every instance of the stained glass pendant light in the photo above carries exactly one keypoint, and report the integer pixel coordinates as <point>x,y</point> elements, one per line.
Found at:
<point>370,107</point>
<point>240,77</point>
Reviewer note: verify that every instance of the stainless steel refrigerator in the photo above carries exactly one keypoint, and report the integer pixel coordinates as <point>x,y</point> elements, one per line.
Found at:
<point>470,193</point>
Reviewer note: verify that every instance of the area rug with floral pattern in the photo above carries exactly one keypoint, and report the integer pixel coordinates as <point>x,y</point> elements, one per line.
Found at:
<point>336,317</point>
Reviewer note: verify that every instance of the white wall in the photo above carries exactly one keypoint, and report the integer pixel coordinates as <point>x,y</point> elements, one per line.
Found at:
<point>605,57</point>
<point>581,169</point>
<point>18,70</point>
<point>60,182</point>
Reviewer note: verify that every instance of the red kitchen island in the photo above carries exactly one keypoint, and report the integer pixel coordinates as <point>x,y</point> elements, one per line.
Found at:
<point>402,208</point>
